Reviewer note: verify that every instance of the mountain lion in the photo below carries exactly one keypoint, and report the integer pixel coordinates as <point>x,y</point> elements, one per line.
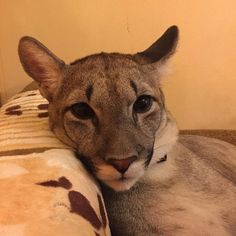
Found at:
<point>110,108</point>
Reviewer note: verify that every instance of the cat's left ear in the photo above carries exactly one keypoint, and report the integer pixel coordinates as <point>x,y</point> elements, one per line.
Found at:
<point>42,65</point>
<point>161,50</point>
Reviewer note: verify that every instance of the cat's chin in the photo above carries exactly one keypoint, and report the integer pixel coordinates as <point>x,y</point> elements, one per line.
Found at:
<point>121,185</point>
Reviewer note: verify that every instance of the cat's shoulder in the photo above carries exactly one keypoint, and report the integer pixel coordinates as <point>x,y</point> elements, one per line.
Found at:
<point>215,154</point>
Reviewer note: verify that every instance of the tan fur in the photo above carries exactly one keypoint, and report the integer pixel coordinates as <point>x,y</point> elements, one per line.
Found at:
<point>192,193</point>
<point>188,195</point>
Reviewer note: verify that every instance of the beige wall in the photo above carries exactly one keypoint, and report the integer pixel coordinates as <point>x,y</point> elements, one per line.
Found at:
<point>201,89</point>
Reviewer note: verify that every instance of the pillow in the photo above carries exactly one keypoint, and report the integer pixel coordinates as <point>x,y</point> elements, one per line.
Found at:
<point>44,189</point>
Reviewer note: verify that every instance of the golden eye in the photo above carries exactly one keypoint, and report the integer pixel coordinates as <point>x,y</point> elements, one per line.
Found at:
<point>82,111</point>
<point>143,104</point>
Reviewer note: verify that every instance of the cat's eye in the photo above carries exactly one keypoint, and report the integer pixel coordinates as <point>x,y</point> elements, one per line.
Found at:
<point>82,111</point>
<point>143,104</point>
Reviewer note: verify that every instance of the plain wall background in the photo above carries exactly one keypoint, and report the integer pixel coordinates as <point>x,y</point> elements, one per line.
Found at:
<point>200,91</point>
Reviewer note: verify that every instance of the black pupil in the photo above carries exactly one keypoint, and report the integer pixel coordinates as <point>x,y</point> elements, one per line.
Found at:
<point>143,104</point>
<point>82,111</point>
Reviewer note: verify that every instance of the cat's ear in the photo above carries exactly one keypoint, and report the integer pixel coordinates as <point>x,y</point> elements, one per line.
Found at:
<point>162,49</point>
<point>42,65</point>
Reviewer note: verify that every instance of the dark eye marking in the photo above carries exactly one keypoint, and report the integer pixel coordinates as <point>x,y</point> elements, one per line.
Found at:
<point>143,104</point>
<point>89,92</point>
<point>134,87</point>
<point>82,111</point>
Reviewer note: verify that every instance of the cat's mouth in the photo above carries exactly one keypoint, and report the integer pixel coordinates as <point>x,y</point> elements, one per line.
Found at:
<point>108,175</point>
<point>124,178</point>
<point>118,181</point>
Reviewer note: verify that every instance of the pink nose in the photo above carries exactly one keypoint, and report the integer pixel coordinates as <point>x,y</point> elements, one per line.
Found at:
<point>123,164</point>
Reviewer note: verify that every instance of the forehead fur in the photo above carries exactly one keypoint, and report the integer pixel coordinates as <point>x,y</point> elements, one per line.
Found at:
<point>113,74</point>
<point>105,58</point>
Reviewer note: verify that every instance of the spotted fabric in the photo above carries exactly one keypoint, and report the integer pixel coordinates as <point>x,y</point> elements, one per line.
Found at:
<point>44,189</point>
<point>24,125</point>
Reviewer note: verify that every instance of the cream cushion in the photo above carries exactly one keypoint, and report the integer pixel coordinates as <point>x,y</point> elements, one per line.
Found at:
<point>44,188</point>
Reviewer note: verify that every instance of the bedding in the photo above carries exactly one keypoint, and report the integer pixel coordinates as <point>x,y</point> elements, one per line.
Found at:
<point>44,188</point>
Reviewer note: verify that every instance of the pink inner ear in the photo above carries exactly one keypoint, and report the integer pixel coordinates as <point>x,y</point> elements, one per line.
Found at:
<point>36,62</point>
<point>42,65</point>
<point>33,64</point>
<point>44,70</point>
<point>38,70</point>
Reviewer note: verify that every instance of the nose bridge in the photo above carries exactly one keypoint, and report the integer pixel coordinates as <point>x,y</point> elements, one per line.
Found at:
<point>118,132</point>
<point>121,143</point>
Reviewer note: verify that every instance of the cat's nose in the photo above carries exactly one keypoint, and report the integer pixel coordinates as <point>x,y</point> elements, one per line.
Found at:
<point>122,165</point>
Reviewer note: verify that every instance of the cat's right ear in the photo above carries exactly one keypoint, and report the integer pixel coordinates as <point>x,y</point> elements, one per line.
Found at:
<point>160,50</point>
<point>42,65</point>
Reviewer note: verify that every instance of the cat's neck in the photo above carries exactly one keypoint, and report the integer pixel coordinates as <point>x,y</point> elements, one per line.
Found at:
<point>166,139</point>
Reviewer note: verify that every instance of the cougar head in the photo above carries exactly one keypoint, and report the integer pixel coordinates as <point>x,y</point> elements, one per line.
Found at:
<point>109,107</point>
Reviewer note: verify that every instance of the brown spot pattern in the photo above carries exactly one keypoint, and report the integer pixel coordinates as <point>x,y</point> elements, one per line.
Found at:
<point>12,113</point>
<point>81,206</point>
<point>102,211</point>
<point>43,114</point>
<point>62,182</point>
<point>12,108</point>
<point>43,106</point>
